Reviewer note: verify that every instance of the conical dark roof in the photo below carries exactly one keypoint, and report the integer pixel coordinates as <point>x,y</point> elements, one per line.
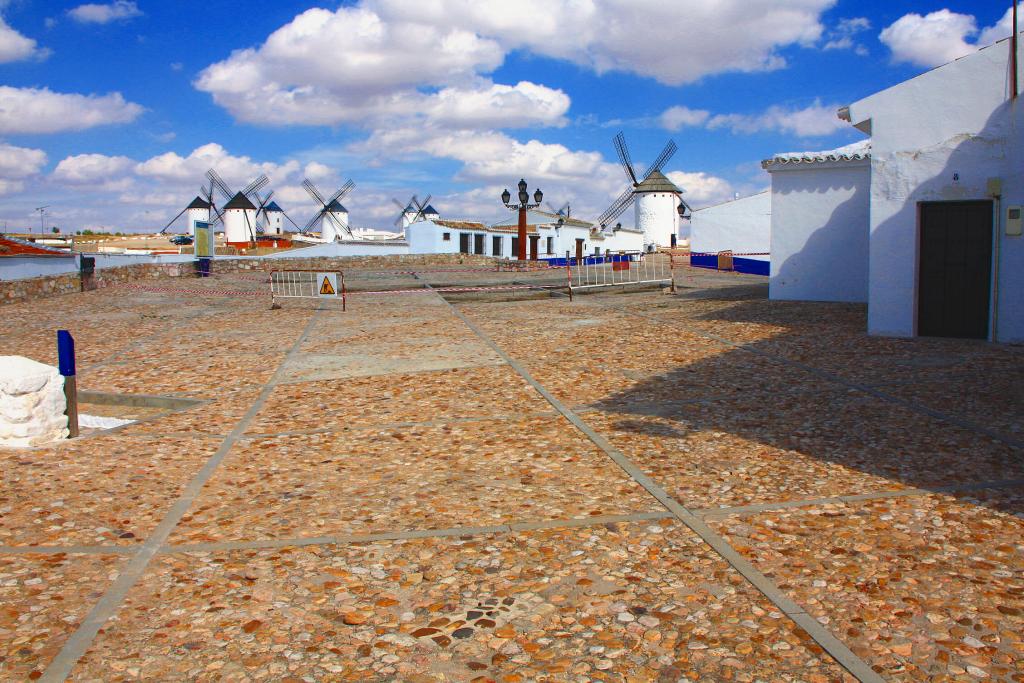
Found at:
<point>430,209</point>
<point>657,182</point>
<point>199,203</point>
<point>239,201</point>
<point>336,207</point>
<point>272,206</point>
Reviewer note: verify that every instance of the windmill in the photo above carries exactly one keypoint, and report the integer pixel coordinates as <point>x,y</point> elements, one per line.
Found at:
<point>239,214</point>
<point>564,212</point>
<point>416,208</point>
<point>625,199</point>
<point>200,209</point>
<point>329,208</point>
<point>262,204</point>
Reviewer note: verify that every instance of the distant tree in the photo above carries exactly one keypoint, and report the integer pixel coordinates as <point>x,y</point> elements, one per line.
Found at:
<point>79,232</point>
<point>55,230</point>
<point>88,232</point>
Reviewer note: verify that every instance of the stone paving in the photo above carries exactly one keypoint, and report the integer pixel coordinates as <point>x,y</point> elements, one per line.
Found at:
<point>509,486</point>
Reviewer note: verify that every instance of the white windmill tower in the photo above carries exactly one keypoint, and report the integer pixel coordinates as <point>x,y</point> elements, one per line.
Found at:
<point>200,210</point>
<point>240,212</point>
<point>197,212</point>
<point>332,216</point>
<point>657,198</point>
<point>275,219</point>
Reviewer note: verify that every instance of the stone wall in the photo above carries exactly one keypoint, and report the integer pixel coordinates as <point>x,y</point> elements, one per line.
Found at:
<point>42,287</point>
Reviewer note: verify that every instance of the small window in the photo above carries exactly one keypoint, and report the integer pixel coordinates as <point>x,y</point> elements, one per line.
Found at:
<point>496,245</point>
<point>551,245</point>
<point>447,237</point>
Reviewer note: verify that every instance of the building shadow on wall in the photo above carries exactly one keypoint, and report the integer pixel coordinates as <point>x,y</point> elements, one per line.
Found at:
<point>781,418</point>
<point>833,263</point>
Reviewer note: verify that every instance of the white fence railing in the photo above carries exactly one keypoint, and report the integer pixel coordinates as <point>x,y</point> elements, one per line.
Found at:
<point>619,269</point>
<point>307,284</point>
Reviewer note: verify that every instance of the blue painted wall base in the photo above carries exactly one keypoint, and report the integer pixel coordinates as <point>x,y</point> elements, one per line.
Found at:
<point>741,265</point>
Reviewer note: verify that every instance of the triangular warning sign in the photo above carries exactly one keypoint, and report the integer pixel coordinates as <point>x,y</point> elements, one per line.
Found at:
<point>326,287</point>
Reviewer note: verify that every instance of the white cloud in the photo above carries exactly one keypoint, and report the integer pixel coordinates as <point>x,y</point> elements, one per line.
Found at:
<point>700,188</point>
<point>15,47</point>
<point>812,121</point>
<point>16,164</point>
<point>1001,29</point>
<point>673,42</point>
<point>236,170</point>
<point>96,13</point>
<point>678,117</point>
<point>39,110</point>
<point>843,36</point>
<point>940,37</point>
<point>91,169</point>
<point>388,60</point>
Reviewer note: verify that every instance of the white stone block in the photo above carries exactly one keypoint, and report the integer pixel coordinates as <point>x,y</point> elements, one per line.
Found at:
<point>32,403</point>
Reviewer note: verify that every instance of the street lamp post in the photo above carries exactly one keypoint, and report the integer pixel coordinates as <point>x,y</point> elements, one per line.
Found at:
<point>522,206</point>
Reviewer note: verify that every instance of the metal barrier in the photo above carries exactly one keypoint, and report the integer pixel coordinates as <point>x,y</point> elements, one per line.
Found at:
<point>618,269</point>
<point>725,260</point>
<point>307,284</point>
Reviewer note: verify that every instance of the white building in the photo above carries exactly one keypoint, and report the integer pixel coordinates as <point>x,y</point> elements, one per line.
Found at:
<point>657,209</point>
<point>820,204</point>
<point>947,182</point>
<point>743,226</point>
<point>239,221</point>
<point>501,239</point>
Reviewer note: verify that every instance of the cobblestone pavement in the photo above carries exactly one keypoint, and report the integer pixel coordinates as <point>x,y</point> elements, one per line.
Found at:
<point>509,486</point>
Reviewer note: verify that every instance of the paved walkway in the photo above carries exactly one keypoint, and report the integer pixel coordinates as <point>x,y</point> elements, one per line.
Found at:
<point>706,486</point>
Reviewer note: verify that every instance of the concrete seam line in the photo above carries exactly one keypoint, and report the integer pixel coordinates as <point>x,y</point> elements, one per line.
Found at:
<point>832,645</point>
<point>400,425</point>
<point>858,497</point>
<point>68,550</point>
<point>79,641</point>
<point>410,534</point>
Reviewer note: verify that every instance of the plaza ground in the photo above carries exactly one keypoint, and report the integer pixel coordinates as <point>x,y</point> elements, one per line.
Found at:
<point>506,485</point>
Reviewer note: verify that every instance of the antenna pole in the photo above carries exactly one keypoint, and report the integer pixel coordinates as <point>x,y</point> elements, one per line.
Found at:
<point>1013,55</point>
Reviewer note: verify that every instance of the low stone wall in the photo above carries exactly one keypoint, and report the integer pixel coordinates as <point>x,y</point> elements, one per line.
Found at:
<point>394,261</point>
<point>66,283</point>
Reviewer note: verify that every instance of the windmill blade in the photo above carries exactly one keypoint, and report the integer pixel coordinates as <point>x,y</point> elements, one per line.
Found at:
<point>172,220</point>
<point>256,185</point>
<point>400,205</point>
<point>313,192</point>
<point>262,208</point>
<point>338,224</point>
<point>313,221</point>
<point>218,182</point>
<point>551,207</point>
<point>344,190</point>
<point>422,207</point>
<point>617,207</point>
<point>624,159</point>
<point>662,159</point>
<point>291,221</point>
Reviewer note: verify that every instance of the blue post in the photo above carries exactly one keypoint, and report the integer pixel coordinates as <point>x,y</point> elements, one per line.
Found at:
<point>66,367</point>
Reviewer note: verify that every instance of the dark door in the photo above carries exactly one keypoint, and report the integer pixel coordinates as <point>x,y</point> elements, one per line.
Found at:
<point>579,250</point>
<point>955,269</point>
<point>478,244</point>
<point>534,239</point>
<point>515,247</point>
<point>464,242</point>
<point>496,245</point>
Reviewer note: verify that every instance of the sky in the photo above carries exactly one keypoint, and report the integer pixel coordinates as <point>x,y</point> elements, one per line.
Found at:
<point>111,113</point>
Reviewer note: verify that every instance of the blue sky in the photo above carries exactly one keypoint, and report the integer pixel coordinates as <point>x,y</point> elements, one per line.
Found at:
<point>111,112</point>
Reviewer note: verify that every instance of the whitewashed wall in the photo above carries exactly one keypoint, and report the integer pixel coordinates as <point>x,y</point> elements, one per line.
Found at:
<point>819,231</point>
<point>956,119</point>
<point>742,225</point>
<point>657,215</point>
